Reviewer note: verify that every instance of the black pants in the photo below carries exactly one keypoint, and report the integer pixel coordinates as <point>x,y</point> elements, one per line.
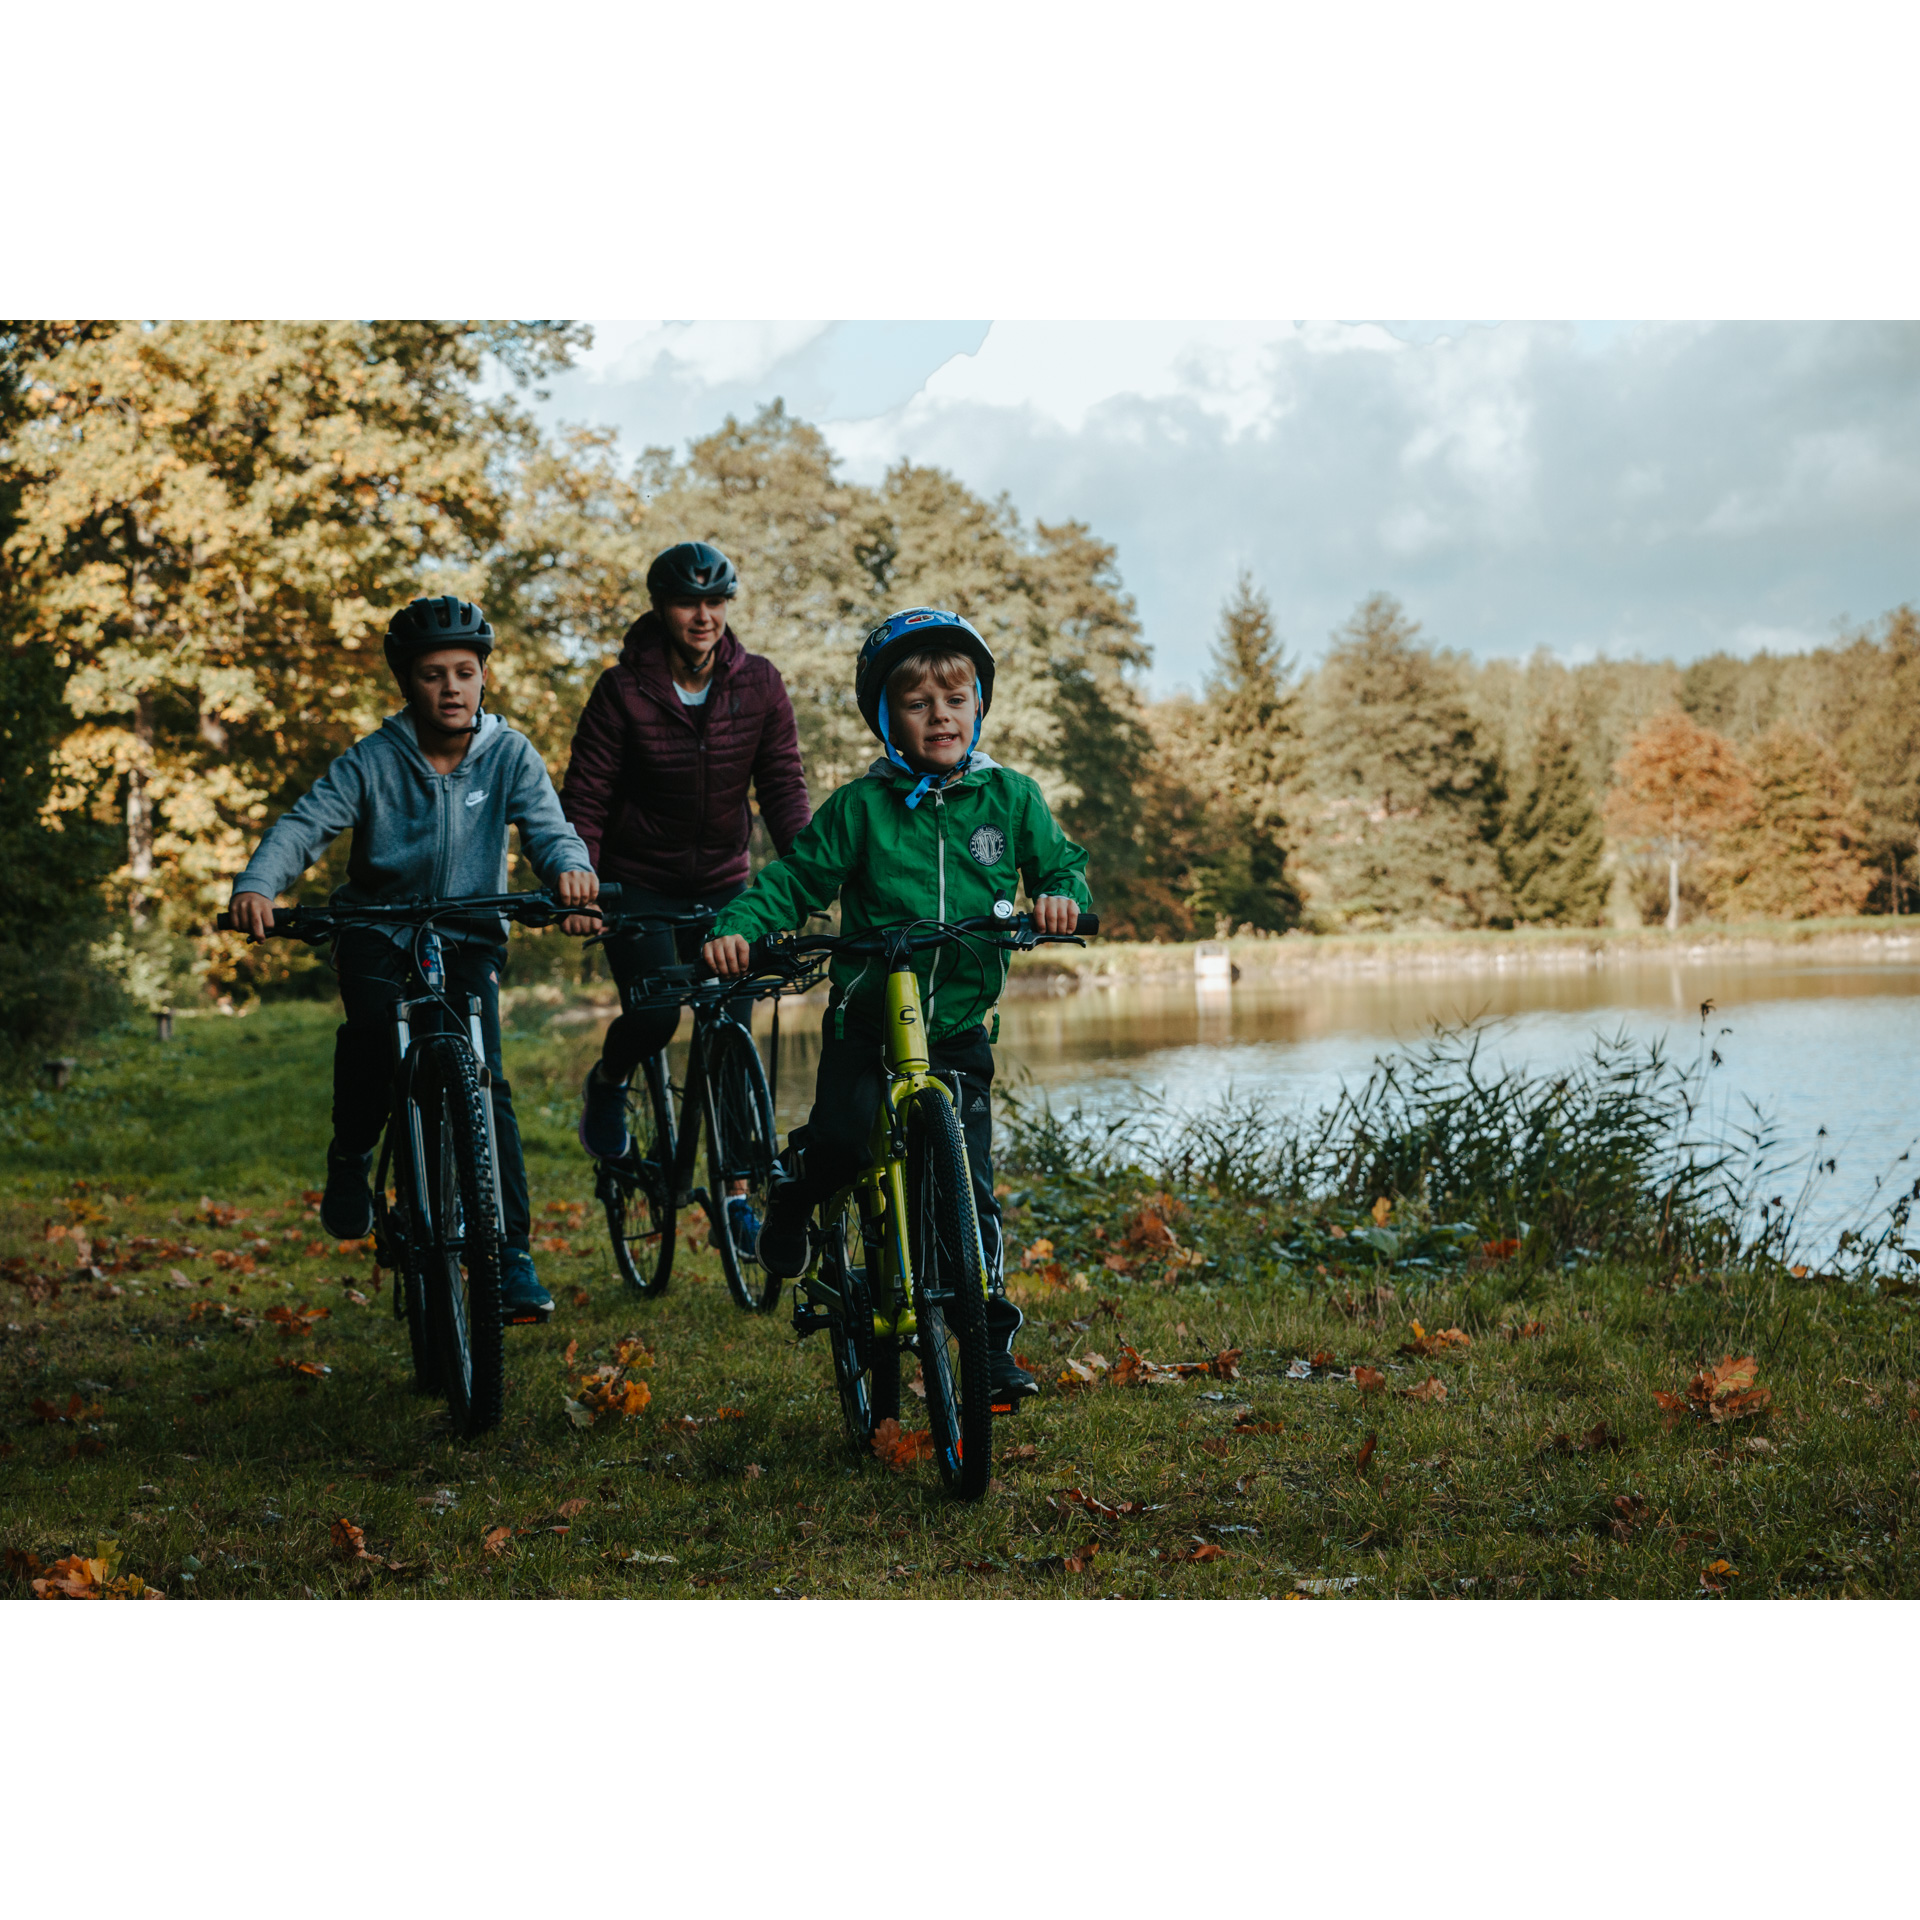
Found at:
<point>374,973</point>
<point>630,957</point>
<point>846,1097</point>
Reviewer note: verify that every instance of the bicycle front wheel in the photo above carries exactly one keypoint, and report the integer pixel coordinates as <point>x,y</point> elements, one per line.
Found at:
<point>740,1154</point>
<point>463,1254</point>
<point>949,1294</point>
<point>638,1192</point>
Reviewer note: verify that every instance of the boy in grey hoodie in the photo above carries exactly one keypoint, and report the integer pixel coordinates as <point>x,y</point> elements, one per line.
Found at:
<point>429,799</point>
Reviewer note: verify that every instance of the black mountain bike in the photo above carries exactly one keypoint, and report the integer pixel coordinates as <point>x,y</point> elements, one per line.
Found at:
<point>441,1232</point>
<point>727,1092</point>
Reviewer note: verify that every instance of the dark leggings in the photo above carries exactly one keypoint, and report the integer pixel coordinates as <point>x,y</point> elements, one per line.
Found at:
<point>374,973</point>
<point>846,1096</point>
<point>630,957</point>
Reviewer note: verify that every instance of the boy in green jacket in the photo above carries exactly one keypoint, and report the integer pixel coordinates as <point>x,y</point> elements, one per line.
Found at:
<point>934,830</point>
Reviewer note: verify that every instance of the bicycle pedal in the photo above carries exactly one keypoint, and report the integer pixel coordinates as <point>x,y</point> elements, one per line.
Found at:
<point>530,1317</point>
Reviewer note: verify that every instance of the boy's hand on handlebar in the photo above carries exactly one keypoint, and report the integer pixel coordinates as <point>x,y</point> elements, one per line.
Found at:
<point>725,955</point>
<point>252,915</point>
<point>1055,913</point>
<point>578,890</point>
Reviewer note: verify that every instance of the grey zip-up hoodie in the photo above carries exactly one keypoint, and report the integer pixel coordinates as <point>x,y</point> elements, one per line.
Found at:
<point>418,834</point>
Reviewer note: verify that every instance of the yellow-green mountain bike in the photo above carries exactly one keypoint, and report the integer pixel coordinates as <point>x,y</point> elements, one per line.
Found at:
<point>898,1266</point>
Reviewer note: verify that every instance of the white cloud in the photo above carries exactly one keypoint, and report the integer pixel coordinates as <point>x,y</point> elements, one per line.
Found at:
<point>1667,488</point>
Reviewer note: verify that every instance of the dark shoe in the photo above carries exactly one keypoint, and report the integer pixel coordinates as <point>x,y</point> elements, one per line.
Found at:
<point>782,1242</point>
<point>603,1118</point>
<point>1008,1383</point>
<point>522,1296</point>
<point>744,1226</point>
<point>346,1208</point>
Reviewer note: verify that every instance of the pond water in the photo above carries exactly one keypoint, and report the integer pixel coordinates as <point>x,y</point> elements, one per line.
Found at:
<point>1813,1045</point>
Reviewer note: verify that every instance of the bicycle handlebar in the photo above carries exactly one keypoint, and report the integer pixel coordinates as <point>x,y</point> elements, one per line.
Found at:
<point>1017,933</point>
<point>536,909</point>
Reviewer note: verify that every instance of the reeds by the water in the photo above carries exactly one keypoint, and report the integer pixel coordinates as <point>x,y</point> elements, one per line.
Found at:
<point>1626,1156</point>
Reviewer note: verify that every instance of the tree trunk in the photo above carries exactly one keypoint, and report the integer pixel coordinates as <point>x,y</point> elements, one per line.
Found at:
<point>1673,892</point>
<point>140,817</point>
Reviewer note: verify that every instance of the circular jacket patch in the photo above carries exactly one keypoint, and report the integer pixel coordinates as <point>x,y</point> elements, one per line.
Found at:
<point>988,845</point>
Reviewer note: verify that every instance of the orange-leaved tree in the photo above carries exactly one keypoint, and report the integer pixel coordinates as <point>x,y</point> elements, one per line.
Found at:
<point>1679,789</point>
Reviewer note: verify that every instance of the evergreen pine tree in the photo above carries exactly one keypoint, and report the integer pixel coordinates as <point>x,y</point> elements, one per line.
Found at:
<point>1253,750</point>
<point>1552,846</point>
<point>1407,787</point>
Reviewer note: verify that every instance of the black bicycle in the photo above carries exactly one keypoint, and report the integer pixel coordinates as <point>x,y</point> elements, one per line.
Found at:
<point>727,1094</point>
<point>442,1232</point>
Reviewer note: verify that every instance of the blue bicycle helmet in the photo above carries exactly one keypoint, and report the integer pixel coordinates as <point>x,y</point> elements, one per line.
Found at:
<point>909,631</point>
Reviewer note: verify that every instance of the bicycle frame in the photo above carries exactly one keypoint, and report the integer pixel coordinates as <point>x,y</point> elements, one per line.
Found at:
<point>879,1194</point>
<point>683,1143</point>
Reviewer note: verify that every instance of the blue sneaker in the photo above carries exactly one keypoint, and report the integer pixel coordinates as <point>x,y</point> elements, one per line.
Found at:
<point>522,1297</point>
<point>603,1118</point>
<point>744,1226</point>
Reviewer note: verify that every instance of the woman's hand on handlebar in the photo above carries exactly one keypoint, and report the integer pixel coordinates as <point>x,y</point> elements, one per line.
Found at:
<point>578,890</point>
<point>726,955</point>
<point>1055,913</point>
<point>252,915</point>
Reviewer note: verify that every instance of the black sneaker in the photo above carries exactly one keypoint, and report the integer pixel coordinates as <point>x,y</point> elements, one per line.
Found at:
<point>1008,1382</point>
<point>522,1297</point>
<point>603,1118</point>
<point>782,1248</point>
<point>346,1208</point>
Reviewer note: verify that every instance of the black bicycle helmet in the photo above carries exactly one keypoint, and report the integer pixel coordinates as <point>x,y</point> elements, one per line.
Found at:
<point>692,571</point>
<point>908,632</point>
<point>423,626</point>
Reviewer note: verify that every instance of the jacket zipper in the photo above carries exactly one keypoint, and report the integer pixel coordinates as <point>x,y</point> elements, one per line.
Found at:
<point>940,868</point>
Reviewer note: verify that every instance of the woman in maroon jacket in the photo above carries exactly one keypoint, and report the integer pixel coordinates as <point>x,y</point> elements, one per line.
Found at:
<point>670,741</point>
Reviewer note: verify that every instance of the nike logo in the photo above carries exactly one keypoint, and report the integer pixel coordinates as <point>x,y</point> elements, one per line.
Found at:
<point>474,799</point>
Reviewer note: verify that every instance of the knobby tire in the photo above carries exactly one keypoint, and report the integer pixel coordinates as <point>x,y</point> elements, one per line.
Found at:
<point>949,1294</point>
<point>641,1213</point>
<point>741,1146</point>
<point>463,1257</point>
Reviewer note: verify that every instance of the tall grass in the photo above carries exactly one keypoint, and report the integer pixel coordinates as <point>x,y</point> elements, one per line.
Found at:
<point>1621,1157</point>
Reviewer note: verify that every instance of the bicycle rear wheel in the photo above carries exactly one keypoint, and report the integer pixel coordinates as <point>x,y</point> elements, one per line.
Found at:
<point>949,1294</point>
<point>866,1366</point>
<point>741,1147</point>
<point>637,1192</point>
<point>463,1253</point>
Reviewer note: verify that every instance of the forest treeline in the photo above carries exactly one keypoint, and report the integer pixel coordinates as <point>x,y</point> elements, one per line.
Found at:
<point>204,526</point>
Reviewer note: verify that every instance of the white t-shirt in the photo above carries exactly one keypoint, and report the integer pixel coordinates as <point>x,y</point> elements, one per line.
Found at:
<point>693,699</point>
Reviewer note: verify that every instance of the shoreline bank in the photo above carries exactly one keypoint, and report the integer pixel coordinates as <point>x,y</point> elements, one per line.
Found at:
<point>1878,942</point>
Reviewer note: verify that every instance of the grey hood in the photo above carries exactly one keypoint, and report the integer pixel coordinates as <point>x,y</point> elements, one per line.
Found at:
<point>418,834</point>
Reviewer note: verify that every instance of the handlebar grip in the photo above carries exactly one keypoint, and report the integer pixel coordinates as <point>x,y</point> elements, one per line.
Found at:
<point>609,896</point>
<point>283,921</point>
<point>1088,923</point>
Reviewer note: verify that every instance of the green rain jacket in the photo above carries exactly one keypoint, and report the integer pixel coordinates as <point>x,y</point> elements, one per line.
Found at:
<point>964,847</point>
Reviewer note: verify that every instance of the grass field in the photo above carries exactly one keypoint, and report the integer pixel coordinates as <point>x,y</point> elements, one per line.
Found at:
<point>147,1399</point>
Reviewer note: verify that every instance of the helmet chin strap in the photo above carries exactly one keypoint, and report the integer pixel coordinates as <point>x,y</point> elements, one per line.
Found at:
<point>928,781</point>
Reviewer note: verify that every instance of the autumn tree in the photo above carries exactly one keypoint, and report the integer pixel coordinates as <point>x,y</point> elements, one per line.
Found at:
<point>1406,783</point>
<point>1552,848</point>
<point>1679,790</point>
<point>1798,855</point>
<point>215,522</point>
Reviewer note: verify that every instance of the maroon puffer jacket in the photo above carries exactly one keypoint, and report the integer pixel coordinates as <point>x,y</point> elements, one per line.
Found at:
<point>658,791</point>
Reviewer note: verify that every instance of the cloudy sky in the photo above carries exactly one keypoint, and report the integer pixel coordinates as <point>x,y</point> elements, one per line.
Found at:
<point>1659,489</point>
